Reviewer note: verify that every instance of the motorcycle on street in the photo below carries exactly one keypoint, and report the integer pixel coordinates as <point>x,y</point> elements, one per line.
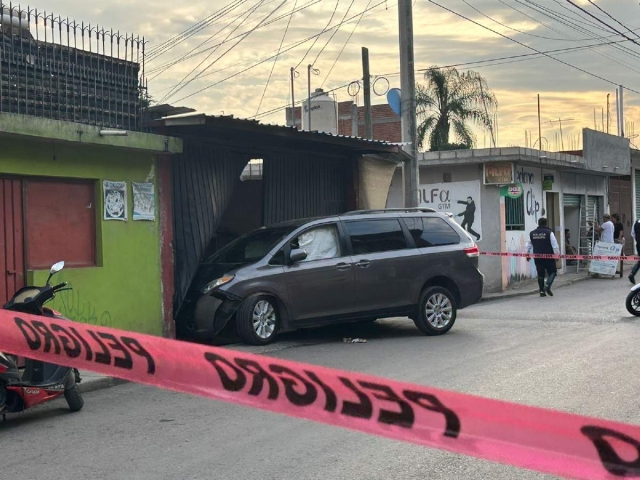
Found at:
<point>40,382</point>
<point>633,300</point>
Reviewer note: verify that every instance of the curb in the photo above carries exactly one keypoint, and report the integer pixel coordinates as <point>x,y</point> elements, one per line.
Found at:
<point>100,384</point>
<point>523,293</point>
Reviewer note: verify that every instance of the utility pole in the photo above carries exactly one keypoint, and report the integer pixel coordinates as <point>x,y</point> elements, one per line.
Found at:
<point>608,112</point>
<point>309,67</point>
<point>408,102</point>
<point>293,98</point>
<point>618,110</point>
<point>366,78</point>
<point>539,126</point>
<point>621,111</point>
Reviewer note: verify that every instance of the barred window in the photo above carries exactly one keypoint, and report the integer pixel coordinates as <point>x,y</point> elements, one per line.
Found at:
<point>514,213</point>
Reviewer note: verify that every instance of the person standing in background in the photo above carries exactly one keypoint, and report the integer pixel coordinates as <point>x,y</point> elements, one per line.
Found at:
<point>606,230</point>
<point>543,241</point>
<point>635,233</point>
<point>618,236</point>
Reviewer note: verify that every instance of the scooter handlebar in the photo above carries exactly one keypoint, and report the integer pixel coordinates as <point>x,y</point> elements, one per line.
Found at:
<point>58,287</point>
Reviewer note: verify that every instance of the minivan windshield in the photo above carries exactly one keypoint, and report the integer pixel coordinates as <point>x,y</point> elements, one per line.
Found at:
<point>251,247</point>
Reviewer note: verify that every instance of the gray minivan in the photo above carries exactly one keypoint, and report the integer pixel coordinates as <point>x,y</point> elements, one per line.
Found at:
<point>359,266</point>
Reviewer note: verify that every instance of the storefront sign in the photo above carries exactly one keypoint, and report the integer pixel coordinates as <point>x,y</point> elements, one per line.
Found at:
<point>547,182</point>
<point>501,173</point>
<point>605,267</point>
<point>512,191</point>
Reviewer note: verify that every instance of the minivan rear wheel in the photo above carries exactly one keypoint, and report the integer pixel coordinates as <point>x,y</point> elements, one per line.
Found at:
<point>258,320</point>
<point>437,311</point>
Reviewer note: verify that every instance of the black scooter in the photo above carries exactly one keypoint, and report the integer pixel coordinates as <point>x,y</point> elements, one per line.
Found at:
<point>40,382</point>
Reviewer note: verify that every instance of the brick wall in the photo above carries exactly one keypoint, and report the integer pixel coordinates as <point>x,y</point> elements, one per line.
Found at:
<point>386,124</point>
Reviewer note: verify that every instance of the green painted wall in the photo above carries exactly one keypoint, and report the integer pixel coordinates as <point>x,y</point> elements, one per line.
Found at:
<point>124,291</point>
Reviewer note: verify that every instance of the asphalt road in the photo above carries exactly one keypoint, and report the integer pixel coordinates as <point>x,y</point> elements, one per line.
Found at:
<point>577,352</point>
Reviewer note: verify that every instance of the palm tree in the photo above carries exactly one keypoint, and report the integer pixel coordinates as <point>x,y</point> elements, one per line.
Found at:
<point>452,99</point>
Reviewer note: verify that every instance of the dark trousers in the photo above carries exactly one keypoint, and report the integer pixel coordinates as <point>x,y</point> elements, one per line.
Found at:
<point>546,266</point>
<point>467,226</point>
<point>636,267</point>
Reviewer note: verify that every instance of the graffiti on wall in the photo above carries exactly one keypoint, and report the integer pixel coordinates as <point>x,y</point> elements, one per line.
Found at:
<point>518,269</point>
<point>73,304</point>
<point>462,199</point>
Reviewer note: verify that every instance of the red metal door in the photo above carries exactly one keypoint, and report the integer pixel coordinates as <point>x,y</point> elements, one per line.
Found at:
<point>11,238</point>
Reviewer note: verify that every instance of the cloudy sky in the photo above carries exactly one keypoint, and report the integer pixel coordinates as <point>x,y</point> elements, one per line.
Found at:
<point>441,38</point>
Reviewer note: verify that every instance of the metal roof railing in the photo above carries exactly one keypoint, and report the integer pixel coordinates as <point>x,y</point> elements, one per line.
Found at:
<point>391,210</point>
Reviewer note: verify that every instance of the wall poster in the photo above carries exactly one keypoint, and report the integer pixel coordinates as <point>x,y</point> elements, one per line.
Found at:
<point>114,200</point>
<point>144,201</point>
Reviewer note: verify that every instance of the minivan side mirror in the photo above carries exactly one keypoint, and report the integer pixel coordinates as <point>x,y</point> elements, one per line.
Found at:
<point>297,255</point>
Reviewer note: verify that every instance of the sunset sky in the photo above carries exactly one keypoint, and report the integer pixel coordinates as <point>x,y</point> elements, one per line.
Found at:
<point>441,38</point>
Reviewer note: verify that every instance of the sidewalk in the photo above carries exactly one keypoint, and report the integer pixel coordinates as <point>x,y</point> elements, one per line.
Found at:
<point>92,381</point>
<point>531,287</point>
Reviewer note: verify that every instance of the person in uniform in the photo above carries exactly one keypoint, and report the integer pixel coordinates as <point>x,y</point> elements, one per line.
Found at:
<point>543,241</point>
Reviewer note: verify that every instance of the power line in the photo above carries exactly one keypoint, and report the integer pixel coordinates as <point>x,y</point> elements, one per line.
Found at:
<point>527,46</point>
<point>576,24</point>
<point>603,22</point>
<point>273,56</point>
<point>316,39</point>
<point>231,48</point>
<point>250,12</point>
<point>515,29</point>
<point>181,58</point>
<point>580,30</point>
<point>334,33</point>
<point>181,37</point>
<point>570,22</point>
<point>345,45</point>
<point>614,19</point>
<point>275,60</point>
<point>292,45</point>
<point>187,57</point>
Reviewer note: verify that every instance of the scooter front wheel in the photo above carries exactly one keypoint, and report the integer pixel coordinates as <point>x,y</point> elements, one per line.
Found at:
<point>74,398</point>
<point>633,303</point>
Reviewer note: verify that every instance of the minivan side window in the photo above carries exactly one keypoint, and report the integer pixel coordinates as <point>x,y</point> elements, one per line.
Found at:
<point>431,232</point>
<point>372,236</point>
<point>320,243</point>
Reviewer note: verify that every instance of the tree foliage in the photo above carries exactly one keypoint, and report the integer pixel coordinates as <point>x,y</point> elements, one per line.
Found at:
<point>448,103</point>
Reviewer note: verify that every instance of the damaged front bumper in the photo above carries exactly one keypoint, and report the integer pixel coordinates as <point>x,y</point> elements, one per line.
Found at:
<point>213,312</point>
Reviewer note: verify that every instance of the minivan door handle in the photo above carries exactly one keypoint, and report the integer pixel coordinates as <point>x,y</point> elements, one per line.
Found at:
<point>363,263</point>
<point>343,266</point>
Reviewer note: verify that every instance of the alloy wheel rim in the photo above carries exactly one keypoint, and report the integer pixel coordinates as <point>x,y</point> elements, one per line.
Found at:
<point>439,311</point>
<point>635,301</point>
<point>264,319</point>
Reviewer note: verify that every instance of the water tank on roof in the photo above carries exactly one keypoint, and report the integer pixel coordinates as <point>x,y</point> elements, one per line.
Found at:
<point>13,18</point>
<point>324,116</point>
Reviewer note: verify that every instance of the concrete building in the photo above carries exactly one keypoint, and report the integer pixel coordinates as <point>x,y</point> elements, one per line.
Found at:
<point>569,190</point>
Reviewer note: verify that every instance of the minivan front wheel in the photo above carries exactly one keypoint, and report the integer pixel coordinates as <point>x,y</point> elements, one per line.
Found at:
<point>437,311</point>
<point>258,320</point>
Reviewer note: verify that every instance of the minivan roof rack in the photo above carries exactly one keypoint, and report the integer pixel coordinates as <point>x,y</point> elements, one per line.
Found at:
<point>391,210</point>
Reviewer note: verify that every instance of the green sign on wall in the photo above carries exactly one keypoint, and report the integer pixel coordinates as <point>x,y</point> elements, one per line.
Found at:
<point>512,191</point>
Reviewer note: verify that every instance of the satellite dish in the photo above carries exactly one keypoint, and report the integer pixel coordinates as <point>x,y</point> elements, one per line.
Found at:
<point>393,99</point>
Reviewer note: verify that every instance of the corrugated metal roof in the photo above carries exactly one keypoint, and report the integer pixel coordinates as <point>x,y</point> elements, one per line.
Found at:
<point>233,121</point>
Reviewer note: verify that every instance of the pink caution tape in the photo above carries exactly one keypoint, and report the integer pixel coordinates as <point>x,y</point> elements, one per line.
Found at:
<point>548,441</point>
<point>548,256</point>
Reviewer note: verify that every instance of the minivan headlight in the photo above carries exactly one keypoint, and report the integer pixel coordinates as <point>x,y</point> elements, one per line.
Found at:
<point>217,283</point>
